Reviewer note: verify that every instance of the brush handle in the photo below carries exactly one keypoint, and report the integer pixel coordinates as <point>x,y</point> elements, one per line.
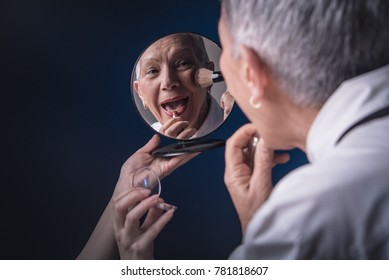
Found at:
<point>251,151</point>
<point>217,77</point>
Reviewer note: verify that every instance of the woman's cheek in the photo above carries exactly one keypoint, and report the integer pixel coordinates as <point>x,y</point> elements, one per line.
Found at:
<point>151,96</point>
<point>198,101</point>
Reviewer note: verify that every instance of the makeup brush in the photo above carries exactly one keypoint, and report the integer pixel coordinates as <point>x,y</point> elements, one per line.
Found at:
<point>251,151</point>
<point>205,77</point>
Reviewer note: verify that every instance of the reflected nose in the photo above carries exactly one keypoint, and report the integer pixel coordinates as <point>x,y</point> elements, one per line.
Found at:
<point>169,79</point>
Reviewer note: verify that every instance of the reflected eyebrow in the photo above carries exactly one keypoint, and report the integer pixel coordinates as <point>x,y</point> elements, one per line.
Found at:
<point>184,50</point>
<point>144,63</point>
<point>148,61</point>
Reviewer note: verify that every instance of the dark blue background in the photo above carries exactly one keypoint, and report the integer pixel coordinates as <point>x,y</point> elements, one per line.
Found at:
<point>69,124</point>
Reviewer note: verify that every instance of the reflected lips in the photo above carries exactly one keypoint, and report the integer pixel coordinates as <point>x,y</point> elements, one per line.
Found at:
<point>175,106</point>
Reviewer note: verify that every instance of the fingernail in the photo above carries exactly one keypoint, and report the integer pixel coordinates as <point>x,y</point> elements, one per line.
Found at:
<point>145,191</point>
<point>166,207</point>
<point>263,146</point>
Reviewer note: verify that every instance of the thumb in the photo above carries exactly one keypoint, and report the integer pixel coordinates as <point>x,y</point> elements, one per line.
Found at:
<point>264,156</point>
<point>151,145</point>
<point>263,160</point>
<point>261,179</point>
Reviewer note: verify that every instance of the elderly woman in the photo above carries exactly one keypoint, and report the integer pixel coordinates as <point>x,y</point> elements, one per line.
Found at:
<point>311,75</point>
<point>165,84</point>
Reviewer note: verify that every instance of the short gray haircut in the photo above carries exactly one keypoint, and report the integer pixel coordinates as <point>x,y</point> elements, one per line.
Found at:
<point>312,46</point>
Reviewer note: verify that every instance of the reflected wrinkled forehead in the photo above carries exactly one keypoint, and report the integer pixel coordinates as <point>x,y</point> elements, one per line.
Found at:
<point>166,46</point>
<point>172,44</point>
<point>176,43</point>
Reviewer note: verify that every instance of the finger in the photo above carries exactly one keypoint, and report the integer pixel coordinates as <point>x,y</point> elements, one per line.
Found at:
<point>155,212</point>
<point>168,124</point>
<point>139,211</point>
<point>152,232</point>
<point>281,158</point>
<point>153,215</point>
<point>264,156</point>
<point>187,133</point>
<point>176,128</point>
<point>151,145</point>
<point>165,206</point>
<point>165,167</point>
<point>125,192</point>
<point>237,143</point>
<point>121,204</point>
<point>263,164</point>
<point>227,109</point>
<point>238,167</point>
<point>222,104</point>
<point>137,160</point>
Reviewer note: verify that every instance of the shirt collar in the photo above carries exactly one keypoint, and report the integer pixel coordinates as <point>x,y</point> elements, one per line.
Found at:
<point>353,100</point>
<point>213,120</point>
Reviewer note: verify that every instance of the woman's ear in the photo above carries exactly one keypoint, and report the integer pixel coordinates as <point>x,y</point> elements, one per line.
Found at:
<point>137,90</point>
<point>135,85</point>
<point>254,72</point>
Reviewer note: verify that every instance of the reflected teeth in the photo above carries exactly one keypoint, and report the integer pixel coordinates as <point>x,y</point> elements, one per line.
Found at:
<point>171,106</point>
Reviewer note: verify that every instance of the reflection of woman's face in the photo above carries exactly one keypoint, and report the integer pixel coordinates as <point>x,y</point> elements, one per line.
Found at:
<point>166,81</point>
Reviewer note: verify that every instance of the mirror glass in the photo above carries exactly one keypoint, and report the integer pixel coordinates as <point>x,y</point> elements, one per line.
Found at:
<point>177,86</point>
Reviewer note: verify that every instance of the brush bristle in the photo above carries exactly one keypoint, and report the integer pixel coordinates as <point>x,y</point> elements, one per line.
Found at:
<point>203,77</point>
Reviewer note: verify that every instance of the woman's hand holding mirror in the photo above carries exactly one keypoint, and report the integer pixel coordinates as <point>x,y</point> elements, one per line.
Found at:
<point>147,179</point>
<point>136,196</point>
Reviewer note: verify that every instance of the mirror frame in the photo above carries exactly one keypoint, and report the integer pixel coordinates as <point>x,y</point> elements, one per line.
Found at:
<point>190,145</point>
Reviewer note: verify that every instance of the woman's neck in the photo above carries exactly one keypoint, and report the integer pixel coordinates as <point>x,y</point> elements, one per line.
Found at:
<point>301,121</point>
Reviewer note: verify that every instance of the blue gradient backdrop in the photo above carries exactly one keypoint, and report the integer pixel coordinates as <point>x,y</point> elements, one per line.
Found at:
<point>69,124</point>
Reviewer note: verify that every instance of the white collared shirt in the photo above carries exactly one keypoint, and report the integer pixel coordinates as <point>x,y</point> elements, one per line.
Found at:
<point>337,206</point>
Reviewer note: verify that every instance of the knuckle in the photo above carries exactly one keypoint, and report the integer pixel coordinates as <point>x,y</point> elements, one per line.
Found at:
<point>137,248</point>
<point>158,227</point>
<point>125,169</point>
<point>227,181</point>
<point>119,205</point>
<point>131,219</point>
<point>123,241</point>
<point>115,203</point>
<point>228,142</point>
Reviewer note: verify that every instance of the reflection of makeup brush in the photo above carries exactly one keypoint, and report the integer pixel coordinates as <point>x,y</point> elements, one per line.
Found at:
<point>205,77</point>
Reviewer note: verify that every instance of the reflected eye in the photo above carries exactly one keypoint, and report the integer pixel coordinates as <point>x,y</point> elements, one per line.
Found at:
<point>184,64</point>
<point>151,71</point>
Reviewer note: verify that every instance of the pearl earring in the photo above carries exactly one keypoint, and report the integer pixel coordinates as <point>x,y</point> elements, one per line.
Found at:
<point>254,105</point>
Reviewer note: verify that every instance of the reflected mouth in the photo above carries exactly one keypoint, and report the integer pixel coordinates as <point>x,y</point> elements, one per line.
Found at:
<point>175,105</point>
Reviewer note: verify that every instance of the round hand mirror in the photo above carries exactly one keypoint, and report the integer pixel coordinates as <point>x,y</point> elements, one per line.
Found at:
<point>180,93</point>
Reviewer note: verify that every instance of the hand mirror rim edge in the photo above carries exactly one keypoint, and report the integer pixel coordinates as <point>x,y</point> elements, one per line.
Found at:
<point>206,144</point>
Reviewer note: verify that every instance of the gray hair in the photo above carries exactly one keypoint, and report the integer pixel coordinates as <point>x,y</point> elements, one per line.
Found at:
<point>312,46</point>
